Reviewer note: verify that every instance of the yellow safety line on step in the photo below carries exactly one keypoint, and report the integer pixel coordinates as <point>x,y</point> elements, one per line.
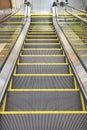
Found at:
<point>42,64</point>
<point>84,55</point>
<point>42,74</point>
<point>43,112</point>
<point>4,103</point>
<point>75,83</point>
<point>81,49</point>
<point>41,49</point>
<point>48,44</point>
<point>43,90</point>
<point>82,101</point>
<point>10,85</point>
<point>43,39</point>
<point>15,70</point>
<point>2,55</point>
<point>42,55</point>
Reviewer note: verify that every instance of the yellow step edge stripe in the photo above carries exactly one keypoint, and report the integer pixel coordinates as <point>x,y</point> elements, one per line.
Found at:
<point>81,49</point>
<point>84,55</point>
<point>42,75</point>
<point>48,44</point>
<point>42,64</point>
<point>42,55</point>
<point>44,112</point>
<point>41,49</point>
<point>42,90</point>
<point>5,49</point>
<point>82,101</point>
<point>42,39</point>
<point>4,103</point>
<point>2,55</point>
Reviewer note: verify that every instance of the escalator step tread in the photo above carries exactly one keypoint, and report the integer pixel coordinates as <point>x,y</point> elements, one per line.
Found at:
<point>42,52</point>
<point>42,69</point>
<point>43,101</point>
<point>43,82</point>
<point>41,46</point>
<point>43,122</point>
<point>25,59</point>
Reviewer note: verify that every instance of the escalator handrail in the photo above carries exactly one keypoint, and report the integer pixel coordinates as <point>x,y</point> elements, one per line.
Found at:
<point>76,16</point>
<point>83,11</point>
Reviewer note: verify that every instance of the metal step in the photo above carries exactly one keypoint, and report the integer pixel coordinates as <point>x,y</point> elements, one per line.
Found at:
<point>42,82</point>
<point>42,52</point>
<point>43,101</point>
<point>41,46</point>
<point>41,40</point>
<point>42,69</point>
<point>42,59</point>
<point>43,121</point>
<point>41,37</point>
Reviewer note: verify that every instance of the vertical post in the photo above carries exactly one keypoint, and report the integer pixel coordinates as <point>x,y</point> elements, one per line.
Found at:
<point>27,9</point>
<point>54,9</point>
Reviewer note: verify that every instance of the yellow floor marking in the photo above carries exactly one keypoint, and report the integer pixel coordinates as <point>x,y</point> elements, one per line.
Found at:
<point>42,74</point>
<point>82,101</point>
<point>44,112</point>
<point>43,90</point>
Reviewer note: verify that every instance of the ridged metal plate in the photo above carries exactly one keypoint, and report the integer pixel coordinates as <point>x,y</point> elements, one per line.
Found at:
<point>42,69</point>
<point>31,59</point>
<point>42,52</point>
<point>41,82</point>
<point>41,46</point>
<point>43,101</point>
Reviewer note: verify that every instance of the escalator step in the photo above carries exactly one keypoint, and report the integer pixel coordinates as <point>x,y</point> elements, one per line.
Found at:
<point>43,122</point>
<point>41,41</point>
<point>43,101</point>
<point>47,59</point>
<point>41,46</point>
<point>42,52</point>
<point>48,82</point>
<point>42,69</point>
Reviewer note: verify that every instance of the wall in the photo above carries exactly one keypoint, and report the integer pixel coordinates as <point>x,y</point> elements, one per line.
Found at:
<point>5,4</point>
<point>41,6</point>
<point>77,3</point>
<point>17,3</point>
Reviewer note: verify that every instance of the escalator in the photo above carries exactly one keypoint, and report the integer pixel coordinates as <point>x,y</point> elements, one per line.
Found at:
<point>43,93</point>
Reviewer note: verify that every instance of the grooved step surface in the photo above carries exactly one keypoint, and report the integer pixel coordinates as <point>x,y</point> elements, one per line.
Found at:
<point>42,52</point>
<point>43,101</point>
<point>43,122</point>
<point>42,69</point>
<point>42,82</point>
<point>41,46</point>
<point>30,59</point>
